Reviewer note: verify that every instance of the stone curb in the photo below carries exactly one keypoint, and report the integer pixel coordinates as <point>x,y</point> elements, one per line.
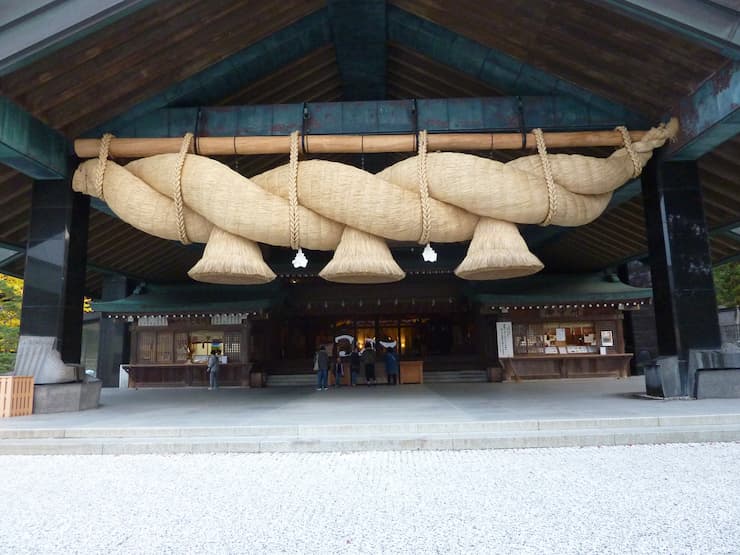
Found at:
<point>309,431</point>
<point>371,442</point>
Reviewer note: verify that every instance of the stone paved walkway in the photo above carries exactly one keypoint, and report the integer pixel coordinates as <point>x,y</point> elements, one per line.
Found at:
<point>556,399</point>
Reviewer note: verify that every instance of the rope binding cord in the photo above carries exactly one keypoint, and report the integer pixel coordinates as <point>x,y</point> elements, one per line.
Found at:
<point>102,163</point>
<point>177,189</point>
<point>300,260</point>
<point>552,198</point>
<point>520,114</point>
<point>429,254</point>
<point>198,116</point>
<point>627,139</point>
<point>304,120</point>
<point>236,132</point>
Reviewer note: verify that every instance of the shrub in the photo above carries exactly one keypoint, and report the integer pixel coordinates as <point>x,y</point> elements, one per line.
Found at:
<point>7,361</point>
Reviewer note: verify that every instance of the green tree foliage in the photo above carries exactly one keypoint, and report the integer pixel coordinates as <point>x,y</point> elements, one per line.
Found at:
<point>11,295</point>
<point>727,284</point>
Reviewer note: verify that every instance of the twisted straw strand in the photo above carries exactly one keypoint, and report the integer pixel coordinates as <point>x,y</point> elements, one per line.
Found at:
<point>295,231</point>
<point>552,198</point>
<point>177,189</point>
<point>102,162</point>
<point>627,139</point>
<point>426,209</point>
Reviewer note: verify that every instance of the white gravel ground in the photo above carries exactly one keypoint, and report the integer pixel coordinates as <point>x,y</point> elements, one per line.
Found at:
<point>641,499</point>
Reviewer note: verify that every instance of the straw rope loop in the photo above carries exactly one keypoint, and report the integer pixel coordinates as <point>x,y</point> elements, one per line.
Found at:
<point>295,230</point>
<point>102,162</point>
<point>177,189</point>
<point>627,139</point>
<point>426,208</point>
<point>552,198</point>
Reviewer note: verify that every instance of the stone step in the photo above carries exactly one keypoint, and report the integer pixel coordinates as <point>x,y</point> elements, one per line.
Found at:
<point>497,426</point>
<point>321,442</point>
<point>279,380</point>
<point>460,376</point>
<point>353,437</point>
<point>446,376</point>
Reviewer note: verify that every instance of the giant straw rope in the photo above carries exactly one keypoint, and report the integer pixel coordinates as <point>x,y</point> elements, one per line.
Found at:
<point>316,204</point>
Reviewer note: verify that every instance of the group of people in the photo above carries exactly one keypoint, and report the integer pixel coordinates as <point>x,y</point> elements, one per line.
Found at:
<point>357,360</point>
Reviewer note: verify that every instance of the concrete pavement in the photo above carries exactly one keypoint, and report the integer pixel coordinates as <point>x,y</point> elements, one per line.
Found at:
<point>435,416</point>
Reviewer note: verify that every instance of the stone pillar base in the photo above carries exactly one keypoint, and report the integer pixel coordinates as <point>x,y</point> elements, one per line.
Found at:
<point>663,379</point>
<point>66,397</point>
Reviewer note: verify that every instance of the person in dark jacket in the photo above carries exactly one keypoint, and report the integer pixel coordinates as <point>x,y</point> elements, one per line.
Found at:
<point>391,366</point>
<point>354,365</point>
<point>368,360</point>
<point>322,362</point>
<point>213,365</point>
<point>338,370</point>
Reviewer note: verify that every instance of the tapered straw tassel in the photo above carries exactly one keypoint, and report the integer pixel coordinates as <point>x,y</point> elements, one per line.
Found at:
<point>362,258</point>
<point>231,260</point>
<point>497,251</point>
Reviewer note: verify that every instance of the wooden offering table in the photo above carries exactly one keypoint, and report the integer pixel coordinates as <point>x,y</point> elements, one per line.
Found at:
<point>567,366</point>
<point>186,375</point>
<point>412,371</point>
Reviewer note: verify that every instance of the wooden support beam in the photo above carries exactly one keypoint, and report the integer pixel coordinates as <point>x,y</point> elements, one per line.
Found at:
<point>324,144</point>
<point>9,253</point>
<point>29,146</point>
<point>440,115</point>
<point>501,71</point>
<point>31,31</point>
<point>235,72</point>
<point>359,36</point>
<point>710,116</point>
<point>707,23</point>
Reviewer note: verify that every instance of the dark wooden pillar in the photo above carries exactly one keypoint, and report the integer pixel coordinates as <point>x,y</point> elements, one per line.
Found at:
<point>680,262</point>
<point>56,258</point>
<point>115,341</point>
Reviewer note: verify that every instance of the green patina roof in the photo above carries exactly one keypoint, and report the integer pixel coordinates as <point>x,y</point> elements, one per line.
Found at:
<point>538,289</point>
<point>557,288</point>
<point>154,299</point>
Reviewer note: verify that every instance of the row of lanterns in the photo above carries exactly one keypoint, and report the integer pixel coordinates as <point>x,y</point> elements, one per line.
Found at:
<point>620,306</point>
<point>162,320</point>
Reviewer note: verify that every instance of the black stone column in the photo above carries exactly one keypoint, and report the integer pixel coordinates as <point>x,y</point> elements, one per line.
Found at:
<point>114,348</point>
<point>680,262</point>
<point>56,257</point>
<point>639,325</point>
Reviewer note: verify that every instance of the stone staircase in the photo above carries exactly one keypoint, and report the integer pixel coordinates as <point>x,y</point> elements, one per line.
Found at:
<point>290,380</point>
<point>444,376</point>
<point>456,376</point>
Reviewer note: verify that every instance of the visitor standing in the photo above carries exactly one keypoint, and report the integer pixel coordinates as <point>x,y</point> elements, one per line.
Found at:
<point>391,366</point>
<point>338,371</point>
<point>368,360</point>
<point>354,365</point>
<point>212,368</point>
<point>322,363</point>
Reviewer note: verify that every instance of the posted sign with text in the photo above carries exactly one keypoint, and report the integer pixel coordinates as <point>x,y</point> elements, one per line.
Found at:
<point>505,340</point>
